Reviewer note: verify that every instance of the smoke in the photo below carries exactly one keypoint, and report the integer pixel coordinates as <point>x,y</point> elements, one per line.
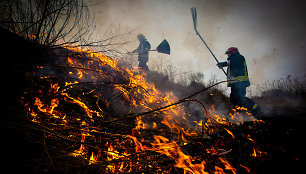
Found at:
<point>270,34</point>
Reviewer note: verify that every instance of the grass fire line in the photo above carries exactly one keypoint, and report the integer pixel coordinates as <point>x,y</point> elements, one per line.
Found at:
<point>82,118</point>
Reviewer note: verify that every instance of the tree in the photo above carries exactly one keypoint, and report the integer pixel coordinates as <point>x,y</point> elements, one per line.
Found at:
<point>48,22</point>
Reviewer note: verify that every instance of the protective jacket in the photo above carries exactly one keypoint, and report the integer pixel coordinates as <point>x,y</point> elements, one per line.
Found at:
<point>143,51</point>
<point>237,74</point>
<point>237,71</point>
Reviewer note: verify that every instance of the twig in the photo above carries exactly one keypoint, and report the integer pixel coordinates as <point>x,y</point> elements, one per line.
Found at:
<point>164,107</point>
<point>51,161</point>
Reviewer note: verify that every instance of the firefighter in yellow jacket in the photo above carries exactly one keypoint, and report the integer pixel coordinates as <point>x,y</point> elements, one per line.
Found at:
<point>238,80</point>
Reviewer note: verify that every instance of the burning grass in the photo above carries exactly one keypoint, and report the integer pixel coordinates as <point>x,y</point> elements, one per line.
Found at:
<point>93,116</point>
<point>76,111</point>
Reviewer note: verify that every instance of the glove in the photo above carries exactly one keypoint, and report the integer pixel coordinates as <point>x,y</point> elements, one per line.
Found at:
<point>222,64</point>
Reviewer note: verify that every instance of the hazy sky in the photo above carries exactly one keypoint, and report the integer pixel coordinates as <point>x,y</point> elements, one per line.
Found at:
<point>271,34</point>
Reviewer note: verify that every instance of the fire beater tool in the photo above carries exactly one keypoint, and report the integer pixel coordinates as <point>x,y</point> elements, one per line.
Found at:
<point>163,47</point>
<point>194,17</point>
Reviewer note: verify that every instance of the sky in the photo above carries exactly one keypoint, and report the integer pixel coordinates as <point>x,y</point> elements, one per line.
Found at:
<point>271,34</point>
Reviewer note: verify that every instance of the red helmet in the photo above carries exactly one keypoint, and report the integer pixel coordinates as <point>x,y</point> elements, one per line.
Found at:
<point>232,50</point>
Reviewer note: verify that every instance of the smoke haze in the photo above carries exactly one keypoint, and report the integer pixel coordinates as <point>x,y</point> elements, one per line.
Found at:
<point>270,34</point>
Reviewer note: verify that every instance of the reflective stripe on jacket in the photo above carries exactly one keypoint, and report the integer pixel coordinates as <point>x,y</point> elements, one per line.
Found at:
<point>237,71</point>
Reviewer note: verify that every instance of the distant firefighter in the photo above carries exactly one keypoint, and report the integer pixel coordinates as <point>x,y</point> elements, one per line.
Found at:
<point>143,52</point>
<point>237,74</point>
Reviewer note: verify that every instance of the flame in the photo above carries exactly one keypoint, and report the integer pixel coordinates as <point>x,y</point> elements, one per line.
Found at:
<point>82,150</point>
<point>139,124</point>
<point>228,166</point>
<point>229,132</point>
<point>71,83</point>
<point>154,125</point>
<point>254,154</point>
<point>88,111</point>
<point>92,159</point>
<point>212,112</point>
<point>143,97</point>
<point>173,150</point>
<point>34,116</point>
<point>246,168</point>
<point>249,137</point>
<point>218,170</point>
<point>113,154</point>
<point>257,152</point>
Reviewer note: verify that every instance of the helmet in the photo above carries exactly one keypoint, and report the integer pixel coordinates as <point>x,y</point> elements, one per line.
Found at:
<point>140,35</point>
<point>232,50</point>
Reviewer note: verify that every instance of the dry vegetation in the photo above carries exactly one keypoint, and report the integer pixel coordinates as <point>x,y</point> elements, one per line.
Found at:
<point>74,110</point>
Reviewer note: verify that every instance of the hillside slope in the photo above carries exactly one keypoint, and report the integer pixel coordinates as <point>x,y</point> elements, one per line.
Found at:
<point>72,110</point>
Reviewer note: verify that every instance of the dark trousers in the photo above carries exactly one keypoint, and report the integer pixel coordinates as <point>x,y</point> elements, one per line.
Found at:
<point>238,97</point>
<point>143,66</point>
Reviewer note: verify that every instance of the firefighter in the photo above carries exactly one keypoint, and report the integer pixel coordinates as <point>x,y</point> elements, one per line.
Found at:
<point>238,80</point>
<point>143,52</point>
